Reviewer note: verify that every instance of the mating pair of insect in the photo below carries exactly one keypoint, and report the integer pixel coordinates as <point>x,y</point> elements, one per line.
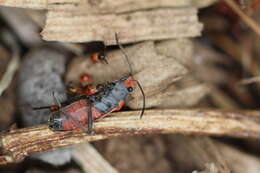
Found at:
<point>83,109</point>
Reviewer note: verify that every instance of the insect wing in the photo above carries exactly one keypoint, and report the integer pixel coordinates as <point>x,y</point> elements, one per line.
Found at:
<point>76,122</point>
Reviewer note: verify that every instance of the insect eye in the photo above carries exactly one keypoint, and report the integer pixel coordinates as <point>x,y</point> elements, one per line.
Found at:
<point>101,56</point>
<point>130,89</point>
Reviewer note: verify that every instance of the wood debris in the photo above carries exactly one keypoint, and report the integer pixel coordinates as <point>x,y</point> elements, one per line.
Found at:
<point>102,6</point>
<point>82,27</point>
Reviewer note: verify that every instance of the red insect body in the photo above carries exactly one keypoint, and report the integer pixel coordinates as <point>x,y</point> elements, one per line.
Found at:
<point>79,111</point>
<point>93,101</point>
<point>84,109</point>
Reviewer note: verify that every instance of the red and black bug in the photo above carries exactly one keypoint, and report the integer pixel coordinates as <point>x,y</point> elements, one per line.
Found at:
<point>85,108</point>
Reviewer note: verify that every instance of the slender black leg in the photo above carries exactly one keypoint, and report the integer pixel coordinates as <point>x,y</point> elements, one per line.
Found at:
<point>90,120</point>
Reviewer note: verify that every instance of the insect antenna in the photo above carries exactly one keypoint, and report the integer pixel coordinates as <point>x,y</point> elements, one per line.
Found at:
<point>131,73</point>
<point>142,91</point>
<point>55,100</point>
<point>123,51</point>
<point>104,52</point>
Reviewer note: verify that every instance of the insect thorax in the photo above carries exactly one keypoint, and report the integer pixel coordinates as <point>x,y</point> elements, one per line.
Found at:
<point>111,97</point>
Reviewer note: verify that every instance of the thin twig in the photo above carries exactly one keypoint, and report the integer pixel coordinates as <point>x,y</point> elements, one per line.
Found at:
<point>250,80</point>
<point>9,74</point>
<point>248,20</point>
<point>19,143</point>
<point>91,160</point>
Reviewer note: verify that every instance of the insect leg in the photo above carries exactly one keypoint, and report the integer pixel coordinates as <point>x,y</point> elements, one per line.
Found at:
<point>90,120</point>
<point>131,73</point>
<point>52,108</point>
<point>124,53</point>
<point>42,107</point>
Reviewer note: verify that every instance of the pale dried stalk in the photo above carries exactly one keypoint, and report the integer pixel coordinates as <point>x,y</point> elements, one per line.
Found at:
<point>237,160</point>
<point>131,27</point>
<point>206,150</point>
<point>20,143</point>
<point>14,63</point>
<point>232,48</point>
<point>207,147</point>
<point>9,74</point>
<point>250,80</point>
<point>34,4</point>
<point>201,149</point>
<point>91,160</point>
<point>248,20</point>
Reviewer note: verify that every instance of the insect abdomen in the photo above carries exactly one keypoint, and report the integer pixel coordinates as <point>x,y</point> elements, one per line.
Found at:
<point>79,111</point>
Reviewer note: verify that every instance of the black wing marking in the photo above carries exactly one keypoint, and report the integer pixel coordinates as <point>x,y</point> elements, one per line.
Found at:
<point>70,117</point>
